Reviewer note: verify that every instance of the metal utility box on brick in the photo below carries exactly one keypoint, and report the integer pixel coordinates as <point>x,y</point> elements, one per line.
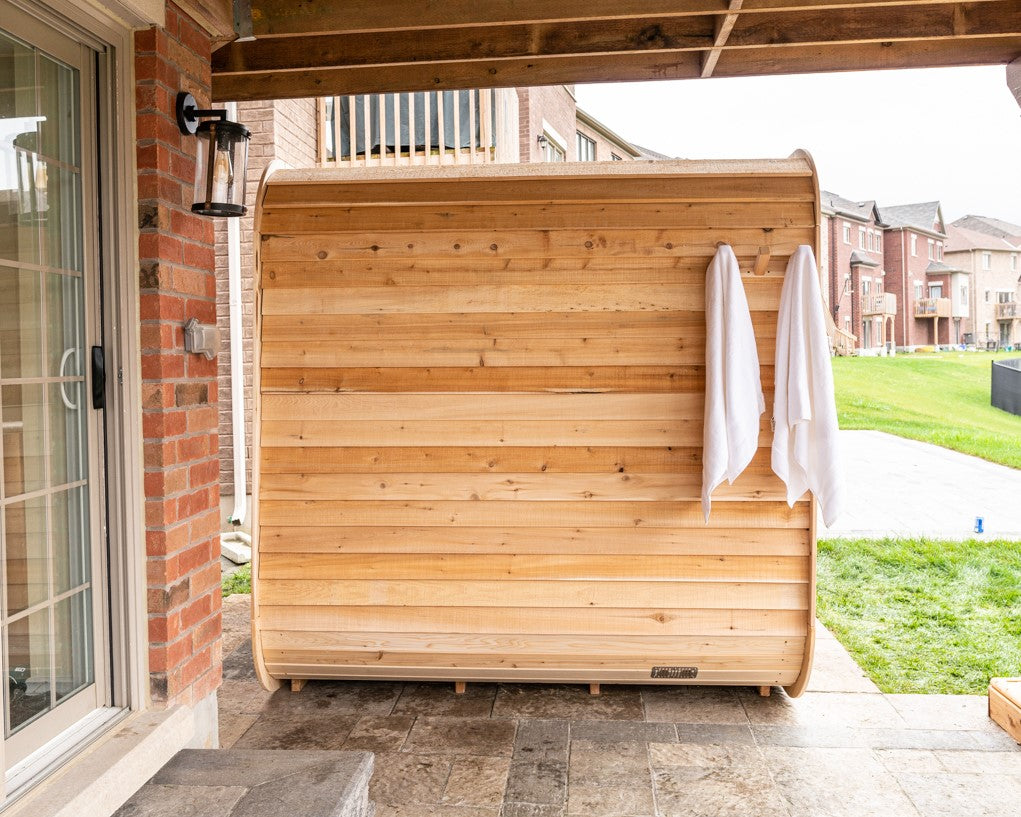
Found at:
<point>479,427</point>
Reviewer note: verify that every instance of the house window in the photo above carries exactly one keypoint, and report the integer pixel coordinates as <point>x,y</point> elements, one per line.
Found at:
<point>551,151</point>
<point>935,290</point>
<point>879,242</point>
<point>847,324</point>
<point>615,157</point>
<point>861,238</point>
<point>866,286</point>
<point>847,233</point>
<point>987,260</point>
<point>586,148</point>
<point>964,293</point>
<point>914,245</point>
<point>939,250</point>
<point>987,296</point>
<point>918,290</point>
<point>932,254</point>
<point>1013,263</point>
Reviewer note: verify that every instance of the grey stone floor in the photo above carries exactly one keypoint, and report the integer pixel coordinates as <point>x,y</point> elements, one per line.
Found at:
<point>510,750</point>
<point>898,487</point>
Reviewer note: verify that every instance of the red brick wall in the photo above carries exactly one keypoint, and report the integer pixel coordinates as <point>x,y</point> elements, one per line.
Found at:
<point>179,416</point>
<point>903,270</point>
<point>845,299</point>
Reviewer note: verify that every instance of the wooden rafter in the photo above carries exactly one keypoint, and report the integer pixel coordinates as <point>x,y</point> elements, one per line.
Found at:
<point>314,48</point>
<point>723,25</point>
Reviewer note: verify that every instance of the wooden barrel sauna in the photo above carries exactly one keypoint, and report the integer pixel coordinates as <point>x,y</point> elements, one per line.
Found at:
<point>478,427</point>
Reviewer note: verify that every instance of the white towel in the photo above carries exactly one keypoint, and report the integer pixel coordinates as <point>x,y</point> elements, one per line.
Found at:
<point>806,452</point>
<point>733,391</point>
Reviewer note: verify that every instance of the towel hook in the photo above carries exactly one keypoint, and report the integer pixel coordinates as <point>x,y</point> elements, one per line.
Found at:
<point>762,260</point>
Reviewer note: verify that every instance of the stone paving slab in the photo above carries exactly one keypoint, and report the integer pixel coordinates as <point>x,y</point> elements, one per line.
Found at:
<point>552,750</point>
<point>262,783</point>
<point>900,487</point>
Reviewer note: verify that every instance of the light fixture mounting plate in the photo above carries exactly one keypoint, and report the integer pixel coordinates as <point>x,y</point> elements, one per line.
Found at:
<point>186,107</point>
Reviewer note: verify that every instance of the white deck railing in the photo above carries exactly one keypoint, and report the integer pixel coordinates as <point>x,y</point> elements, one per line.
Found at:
<point>424,128</point>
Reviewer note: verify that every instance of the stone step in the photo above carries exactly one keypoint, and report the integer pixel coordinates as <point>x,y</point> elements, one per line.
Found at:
<point>256,783</point>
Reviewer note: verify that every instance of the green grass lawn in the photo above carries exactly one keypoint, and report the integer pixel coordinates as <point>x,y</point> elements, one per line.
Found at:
<point>925,616</point>
<point>936,398</point>
<point>240,581</point>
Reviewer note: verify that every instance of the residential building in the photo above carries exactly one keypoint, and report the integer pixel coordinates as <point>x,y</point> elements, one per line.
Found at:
<point>993,264</point>
<point>542,124</point>
<point>851,263</point>
<point>922,280</point>
<point>991,226</point>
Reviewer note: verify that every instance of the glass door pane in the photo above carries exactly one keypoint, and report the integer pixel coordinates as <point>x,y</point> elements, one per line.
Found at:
<point>48,547</point>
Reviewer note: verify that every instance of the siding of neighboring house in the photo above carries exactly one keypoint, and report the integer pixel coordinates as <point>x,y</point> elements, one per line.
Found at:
<point>968,250</point>
<point>905,274</point>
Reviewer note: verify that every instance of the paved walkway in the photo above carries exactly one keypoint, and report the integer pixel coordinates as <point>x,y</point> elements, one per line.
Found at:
<point>898,487</point>
<point>538,750</point>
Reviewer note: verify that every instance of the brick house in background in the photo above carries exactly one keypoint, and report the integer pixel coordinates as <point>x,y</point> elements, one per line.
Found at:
<point>994,266</point>
<point>501,125</point>
<point>851,263</point>
<point>932,293</point>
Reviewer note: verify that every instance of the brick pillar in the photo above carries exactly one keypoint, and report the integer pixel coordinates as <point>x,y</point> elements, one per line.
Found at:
<point>179,415</point>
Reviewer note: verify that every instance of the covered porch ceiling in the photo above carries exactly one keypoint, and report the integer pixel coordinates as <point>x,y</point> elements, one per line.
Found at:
<point>317,47</point>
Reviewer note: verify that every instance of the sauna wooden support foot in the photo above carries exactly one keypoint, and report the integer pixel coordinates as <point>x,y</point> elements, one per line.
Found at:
<point>593,689</point>
<point>460,687</point>
<point>765,691</point>
<point>298,684</point>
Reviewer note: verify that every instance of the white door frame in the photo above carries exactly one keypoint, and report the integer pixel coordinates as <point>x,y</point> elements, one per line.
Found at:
<point>112,37</point>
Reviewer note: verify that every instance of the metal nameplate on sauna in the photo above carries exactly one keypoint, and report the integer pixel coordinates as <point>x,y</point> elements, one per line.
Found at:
<point>675,672</point>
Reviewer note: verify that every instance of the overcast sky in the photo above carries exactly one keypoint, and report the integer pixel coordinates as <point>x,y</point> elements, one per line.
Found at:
<point>952,134</point>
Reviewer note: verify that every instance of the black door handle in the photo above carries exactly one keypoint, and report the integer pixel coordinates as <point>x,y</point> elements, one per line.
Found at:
<point>98,378</point>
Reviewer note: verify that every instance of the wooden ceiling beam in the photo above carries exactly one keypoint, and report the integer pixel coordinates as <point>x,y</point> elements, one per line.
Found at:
<point>639,66</point>
<point>281,18</point>
<point>723,26</point>
<point>432,49</point>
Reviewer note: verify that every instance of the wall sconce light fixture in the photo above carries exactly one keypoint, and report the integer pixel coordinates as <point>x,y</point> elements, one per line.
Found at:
<point>542,139</point>
<point>221,161</point>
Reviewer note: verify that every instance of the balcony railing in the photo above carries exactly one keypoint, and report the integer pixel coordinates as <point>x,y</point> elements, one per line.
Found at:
<point>885,303</point>
<point>844,343</point>
<point>1006,311</point>
<point>932,308</point>
<point>425,128</point>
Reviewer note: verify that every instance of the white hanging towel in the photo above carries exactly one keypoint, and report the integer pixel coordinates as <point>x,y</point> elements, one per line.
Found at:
<point>806,452</point>
<point>733,391</point>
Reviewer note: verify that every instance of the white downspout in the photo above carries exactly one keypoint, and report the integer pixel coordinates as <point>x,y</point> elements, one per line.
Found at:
<point>237,373</point>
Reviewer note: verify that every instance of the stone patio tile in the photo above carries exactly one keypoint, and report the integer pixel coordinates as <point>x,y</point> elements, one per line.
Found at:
<point>477,781</point>
<point>237,621</point>
<point>836,783</point>
<point>610,801</point>
<point>809,736</point>
<point>714,733</point>
<point>913,761</point>
<point>461,736</point>
<point>233,725</point>
<point>312,731</point>
<point>821,709</point>
<point>706,757</point>
<point>179,801</point>
<point>618,731</point>
<point>607,764</point>
<point>407,780</point>
<point>439,699</point>
<point>435,811</point>
<point>999,763</point>
<point>919,738</point>
<point>542,739</point>
<point>541,781</point>
<point>532,810</point>
<point>953,795</point>
<point>686,792</point>
<point>567,701</point>
<point>944,711</point>
<point>833,669</point>
<point>239,664</point>
<point>242,696</point>
<point>358,698</point>
<point>693,704</point>
<point>379,733</point>
<point>992,740</point>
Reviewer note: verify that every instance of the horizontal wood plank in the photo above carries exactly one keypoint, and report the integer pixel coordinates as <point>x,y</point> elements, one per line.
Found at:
<point>503,594</point>
<point>313,513</point>
<point>550,621</point>
<point>606,541</point>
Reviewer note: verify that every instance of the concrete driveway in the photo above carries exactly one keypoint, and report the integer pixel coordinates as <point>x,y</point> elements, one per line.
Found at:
<point>898,487</point>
